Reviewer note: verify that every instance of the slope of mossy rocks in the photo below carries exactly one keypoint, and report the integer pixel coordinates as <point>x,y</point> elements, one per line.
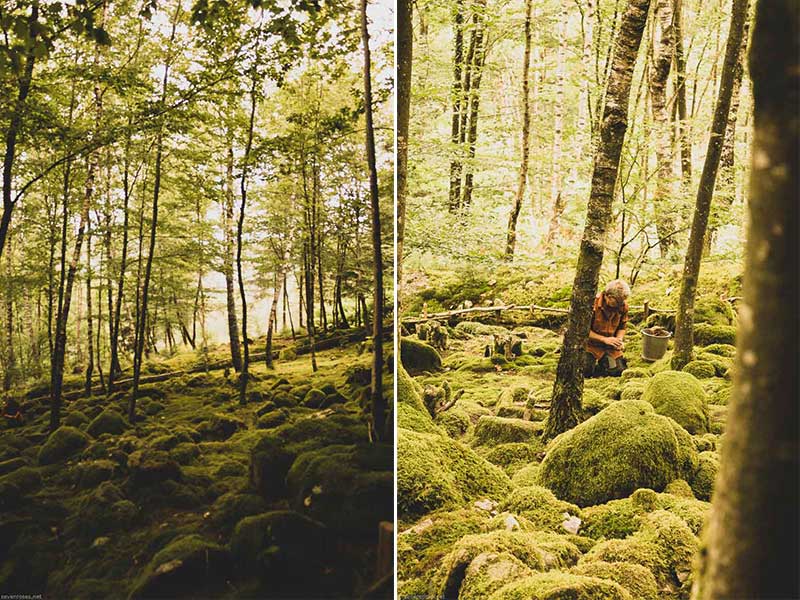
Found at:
<point>680,396</point>
<point>624,447</point>
<point>107,508</point>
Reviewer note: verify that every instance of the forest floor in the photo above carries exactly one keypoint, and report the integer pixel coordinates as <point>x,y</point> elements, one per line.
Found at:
<point>611,509</point>
<point>200,497</point>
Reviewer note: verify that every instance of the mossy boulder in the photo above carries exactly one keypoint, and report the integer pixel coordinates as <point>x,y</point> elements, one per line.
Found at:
<point>417,356</point>
<point>350,489</point>
<point>274,419</point>
<point>108,421</point>
<point>63,443</point>
<point>624,447</point>
<point>556,585</point>
<point>488,572</point>
<point>76,419</point>
<point>701,369</point>
<point>526,476</point>
<point>724,350</point>
<point>680,396</point>
<point>220,427</point>
<point>491,431</point>
<point>287,354</point>
<point>664,545</point>
<point>513,456</point>
<point>434,471</point>
<point>705,334</point>
<point>411,412</point>
<point>713,311</point>
<point>12,464</point>
<point>232,507</point>
<point>639,581</point>
<point>92,473</point>
<point>456,422</point>
<point>150,467</point>
<point>703,481</point>
<point>313,398</point>
<point>679,487</point>
<point>540,506</point>
<point>189,565</point>
<point>278,544</point>
<point>721,364</point>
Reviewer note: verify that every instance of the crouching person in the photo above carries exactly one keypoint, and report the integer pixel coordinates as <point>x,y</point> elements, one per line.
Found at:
<point>605,346</point>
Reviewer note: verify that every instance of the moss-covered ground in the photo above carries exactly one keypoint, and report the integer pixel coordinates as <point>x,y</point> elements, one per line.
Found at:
<point>175,504</point>
<point>614,508</point>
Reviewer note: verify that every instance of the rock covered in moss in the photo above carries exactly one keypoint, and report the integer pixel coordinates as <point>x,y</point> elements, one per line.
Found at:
<point>12,464</point>
<point>278,544</point>
<point>108,421</point>
<point>418,356</point>
<point>639,581</point>
<point>220,427</point>
<point>491,431</point>
<point>232,507</point>
<point>593,401</point>
<point>273,419</point>
<point>664,545</point>
<point>701,369</point>
<point>680,396</point>
<point>622,448</point>
<point>705,334</point>
<point>703,481</point>
<point>76,419</point>
<point>434,471</point>
<point>514,455</point>
<point>456,422</point>
<point>713,311</point>
<point>185,453</point>
<point>313,398</point>
<point>92,473</point>
<point>62,443</point>
<point>724,350</point>
<point>186,566</point>
<point>528,475</point>
<point>556,584</point>
<point>539,505</point>
<point>488,572</point>
<point>679,487</point>
<point>151,467</point>
<point>350,489</point>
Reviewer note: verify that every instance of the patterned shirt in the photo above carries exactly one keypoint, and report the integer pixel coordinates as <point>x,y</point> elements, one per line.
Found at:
<point>606,321</point>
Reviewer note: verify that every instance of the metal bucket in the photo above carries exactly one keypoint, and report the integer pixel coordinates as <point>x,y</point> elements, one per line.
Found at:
<point>654,347</point>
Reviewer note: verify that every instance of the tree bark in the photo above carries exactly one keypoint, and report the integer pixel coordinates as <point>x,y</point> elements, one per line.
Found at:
<point>752,551</point>
<point>15,124</point>
<point>568,388</point>
<point>405,43</point>
<point>473,89</point>
<point>381,429</point>
<point>684,321</point>
<point>659,73</point>
<point>89,327</point>
<point>456,98</point>
<point>273,315</point>
<point>511,237</point>
<point>227,220</point>
<point>680,93</point>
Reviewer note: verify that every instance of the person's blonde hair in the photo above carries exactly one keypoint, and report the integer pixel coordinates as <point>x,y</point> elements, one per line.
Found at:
<point>618,289</point>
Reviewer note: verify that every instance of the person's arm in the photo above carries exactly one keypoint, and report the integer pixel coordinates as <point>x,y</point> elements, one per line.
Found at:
<point>608,341</point>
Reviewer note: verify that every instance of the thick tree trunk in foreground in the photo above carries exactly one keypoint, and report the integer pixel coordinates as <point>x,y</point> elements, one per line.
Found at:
<point>381,429</point>
<point>405,43</point>
<point>752,535</point>
<point>511,237</point>
<point>568,388</point>
<point>684,320</point>
<point>659,73</point>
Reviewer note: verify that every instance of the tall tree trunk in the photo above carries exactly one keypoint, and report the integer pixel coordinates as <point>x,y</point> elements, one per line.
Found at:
<point>727,173</point>
<point>568,388</point>
<point>473,89</point>
<point>659,73</point>
<point>684,136</point>
<point>585,102</point>
<point>15,123</point>
<point>89,327</point>
<point>456,98</point>
<point>380,427</point>
<point>405,44</point>
<point>10,359</point>
<point>137,357</point>
<point>752,552</point>
<point>308,261</point>
<point>286,304</point>
<point>557,196</point>
<point>280,283</point>
<point>244,376</point>
<point>227,221</point>
<point>511,238</point>
<point>684,321</point>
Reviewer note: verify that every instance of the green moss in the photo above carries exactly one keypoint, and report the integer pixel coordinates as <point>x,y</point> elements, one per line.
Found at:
<point>434,471</point>
<point>411,412</point>
<point>76,419</point>
<point>456,422</point>
<point>705,334</point>
<point>474,328</point>
<point>287,354</point>
<point>184,453</point>
<point>417,356</point>
<point>313,398</point>
<point>540,506</point>
<point>498,430</point>
<point>679,396</point>
<point>62,443</point>
<point>622,448</point>
<point>232,507</point>
<point>514,455</point>
<point>25,479</point>
<point>488,572</point>
<point>614,519</point>
<point>634,373</point>
<point>188,564</point>
<point>702,369</point>
<point>639,582</point>
<point>108,421</point>
<point>712,310</point>
<point>526,476</point>
<point>724,350</point>
<point>679,487</point>
<point>703,481</point>
<point>150,467</point>
<point>555,585</point>
<point>350,489</point>
<point>477,365</point>
<point>720,363</point>
<point>632,390</point>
